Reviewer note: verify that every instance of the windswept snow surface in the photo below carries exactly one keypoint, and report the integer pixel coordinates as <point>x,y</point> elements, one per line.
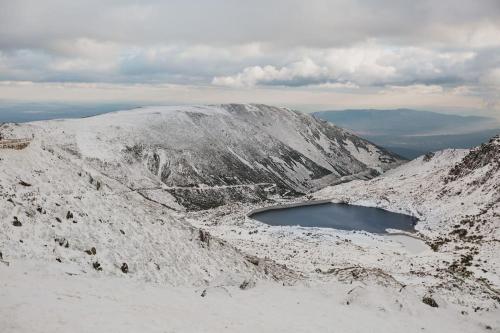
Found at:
<point>40,299</point>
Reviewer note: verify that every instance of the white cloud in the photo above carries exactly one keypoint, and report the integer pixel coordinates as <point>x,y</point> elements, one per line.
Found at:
<point>305,69</point>
<point>363,65</point>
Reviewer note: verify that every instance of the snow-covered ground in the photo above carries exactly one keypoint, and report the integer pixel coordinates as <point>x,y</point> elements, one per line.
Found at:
<point>45,298</point>
<point>92,240</point>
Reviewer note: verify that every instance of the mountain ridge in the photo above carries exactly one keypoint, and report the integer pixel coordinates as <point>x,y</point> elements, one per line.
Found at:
<point>205,156</point>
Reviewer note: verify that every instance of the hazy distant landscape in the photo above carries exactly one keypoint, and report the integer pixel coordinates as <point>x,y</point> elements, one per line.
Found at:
<point>411,133</point>
<point>20,112</point>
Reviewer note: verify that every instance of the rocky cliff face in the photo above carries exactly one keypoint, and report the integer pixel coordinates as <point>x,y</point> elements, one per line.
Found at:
<point>486,155</point>
<point>206,156</point>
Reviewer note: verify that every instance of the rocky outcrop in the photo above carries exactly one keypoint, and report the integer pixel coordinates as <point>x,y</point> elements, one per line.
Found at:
<point>14,143</point>
<point>486,155</point>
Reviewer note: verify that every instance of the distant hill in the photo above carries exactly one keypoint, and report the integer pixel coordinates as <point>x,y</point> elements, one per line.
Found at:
<point>411,133</point>
<point>21,112</point>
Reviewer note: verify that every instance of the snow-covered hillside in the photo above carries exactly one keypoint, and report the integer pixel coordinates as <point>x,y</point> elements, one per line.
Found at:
<point>56,205</point>
<point>456,196</point>
<point>205,156</point>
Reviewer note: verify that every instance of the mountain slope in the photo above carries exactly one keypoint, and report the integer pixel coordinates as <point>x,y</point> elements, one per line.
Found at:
<point>205,156</point>
<point>456,196</point>
<point>57,208</point>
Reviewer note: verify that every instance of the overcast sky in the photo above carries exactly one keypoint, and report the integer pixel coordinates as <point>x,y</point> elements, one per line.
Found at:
<point>313,54</point>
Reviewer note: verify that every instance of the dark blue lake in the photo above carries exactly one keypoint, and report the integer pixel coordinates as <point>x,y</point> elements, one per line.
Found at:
<point>338,216</point>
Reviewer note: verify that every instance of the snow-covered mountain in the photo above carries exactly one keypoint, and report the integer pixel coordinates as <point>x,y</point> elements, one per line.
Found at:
<point>94,208</point>
<point>205,156</point>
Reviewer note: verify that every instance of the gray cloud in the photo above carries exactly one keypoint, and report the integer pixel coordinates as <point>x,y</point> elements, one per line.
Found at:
<point>338,44</point>
<point>315,23</point>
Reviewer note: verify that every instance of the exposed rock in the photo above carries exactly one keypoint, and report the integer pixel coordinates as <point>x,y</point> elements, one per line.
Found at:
<point>92,251</point>
<point>247,284</point>
<point>253,259</point>
<point>62,242</point>
<point>124,268</point>
<point>204,237</point>
<point>430,301</point>
<point>16,222</point>
<point>428,156</point>
<point>357,273</point>
<point>487,154</point>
